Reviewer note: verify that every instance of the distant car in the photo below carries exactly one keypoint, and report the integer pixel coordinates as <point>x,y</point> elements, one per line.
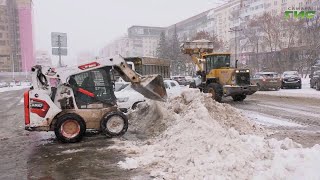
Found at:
<point>172,87</point>
<point>3,84</point>
<point>15,83</point>
<point>128,98</point>
<point>118,86</point>
<point>291,79</point>
<point>196,81</point>
<point>181,80</point>
<point>267,80</point>
<point>26,83</point>
<point>315,80</point>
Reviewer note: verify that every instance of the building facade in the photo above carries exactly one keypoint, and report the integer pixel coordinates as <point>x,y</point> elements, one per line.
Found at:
<point>43,58</point>
<point>16,37</point>
<point>140,41</point>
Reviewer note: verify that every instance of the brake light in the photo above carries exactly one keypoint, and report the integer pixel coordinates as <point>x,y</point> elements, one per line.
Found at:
<point>26,108</point>
<point>89,65</point>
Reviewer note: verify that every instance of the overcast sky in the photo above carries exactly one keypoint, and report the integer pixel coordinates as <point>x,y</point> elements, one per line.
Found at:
<point>91,24</point>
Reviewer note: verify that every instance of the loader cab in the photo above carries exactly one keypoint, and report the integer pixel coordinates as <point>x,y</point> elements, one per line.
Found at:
<point>93,89</point>
<point>216,61</point>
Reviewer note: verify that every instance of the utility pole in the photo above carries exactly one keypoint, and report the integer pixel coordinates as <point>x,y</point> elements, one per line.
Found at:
<point>235,30</point>
<point>59,50</point>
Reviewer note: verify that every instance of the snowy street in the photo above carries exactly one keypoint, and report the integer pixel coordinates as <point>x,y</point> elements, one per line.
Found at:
<point>39,155</point>
<point>295,117</point>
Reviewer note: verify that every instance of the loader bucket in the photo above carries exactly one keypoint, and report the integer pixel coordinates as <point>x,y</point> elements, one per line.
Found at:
<point>151,87</point>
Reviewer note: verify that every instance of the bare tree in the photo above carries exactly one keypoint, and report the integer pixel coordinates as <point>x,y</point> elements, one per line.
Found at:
<point>218,44</point>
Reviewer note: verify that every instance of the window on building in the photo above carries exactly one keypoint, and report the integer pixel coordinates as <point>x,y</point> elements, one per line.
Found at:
<point>2,42</point>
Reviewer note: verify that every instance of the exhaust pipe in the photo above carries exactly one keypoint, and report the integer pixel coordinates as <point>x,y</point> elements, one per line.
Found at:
<point>236,64</point>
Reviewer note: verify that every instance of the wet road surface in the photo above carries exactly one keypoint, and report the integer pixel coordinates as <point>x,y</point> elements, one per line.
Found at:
<point>304,112</point>
<point>37,155</point>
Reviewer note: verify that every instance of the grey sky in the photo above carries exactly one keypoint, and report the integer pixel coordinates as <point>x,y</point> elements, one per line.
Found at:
<point>91,24</point>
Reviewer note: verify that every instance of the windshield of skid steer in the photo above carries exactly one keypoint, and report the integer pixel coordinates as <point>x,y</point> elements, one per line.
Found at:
<point>98,82</point>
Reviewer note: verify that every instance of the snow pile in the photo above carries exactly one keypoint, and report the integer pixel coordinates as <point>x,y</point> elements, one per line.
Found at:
<point>202,141</point>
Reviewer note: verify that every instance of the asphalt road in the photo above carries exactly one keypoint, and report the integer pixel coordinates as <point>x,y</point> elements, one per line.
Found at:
<point>305,112</point>
<point>37,155</point>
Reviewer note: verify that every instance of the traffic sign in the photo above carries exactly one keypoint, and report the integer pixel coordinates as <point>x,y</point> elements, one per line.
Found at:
<point>59,39</point>
<point>63,51</point>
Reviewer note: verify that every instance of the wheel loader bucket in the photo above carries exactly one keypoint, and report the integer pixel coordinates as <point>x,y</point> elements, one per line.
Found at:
<point>151,87</point>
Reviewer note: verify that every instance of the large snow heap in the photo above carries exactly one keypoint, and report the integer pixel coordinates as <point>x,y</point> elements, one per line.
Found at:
<point>197,138</point>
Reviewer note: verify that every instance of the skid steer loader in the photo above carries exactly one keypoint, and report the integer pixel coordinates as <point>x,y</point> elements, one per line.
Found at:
<point>217,77</point>
<point>70,100</point>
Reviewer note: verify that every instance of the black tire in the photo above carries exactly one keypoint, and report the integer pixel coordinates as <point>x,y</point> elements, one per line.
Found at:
<point>192,85</point>
<point>318,86</point>
<point>109,117</point>
<point>76,128</point>
<point>135,105</point>
<point>216,90</point>
<point>259,87</point>
<point>300,87</point>
<point>239,97</point>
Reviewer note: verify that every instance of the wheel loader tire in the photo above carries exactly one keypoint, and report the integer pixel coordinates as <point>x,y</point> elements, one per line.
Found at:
<point>216,90</point>
<point>318,86</point>
<point>259,87</point>
<point>70,128</point>
<point>239,97</point>
<point>192,85</point>
<point>114,124</point>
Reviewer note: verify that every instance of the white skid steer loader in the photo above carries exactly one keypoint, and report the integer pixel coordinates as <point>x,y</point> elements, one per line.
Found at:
<point>70,100</point>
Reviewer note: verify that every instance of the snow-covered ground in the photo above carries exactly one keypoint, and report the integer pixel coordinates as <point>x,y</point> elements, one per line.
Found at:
<point>266,120</point>
<point>14,88</point>
<point>306,91</point>
<point>198,138</point>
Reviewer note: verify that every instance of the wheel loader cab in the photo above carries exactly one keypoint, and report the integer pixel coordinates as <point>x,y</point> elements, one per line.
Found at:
<point>216,61</point>
<point>93,89</point>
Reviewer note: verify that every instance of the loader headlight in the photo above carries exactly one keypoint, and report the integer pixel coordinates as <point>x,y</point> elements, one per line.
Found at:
<point>237,71</point>
<point>247,70</point>
<point>123,99</point>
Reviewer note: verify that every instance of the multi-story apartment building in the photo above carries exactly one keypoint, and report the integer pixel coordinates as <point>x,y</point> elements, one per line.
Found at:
<point>16,37</point>
<point>143,40</point>
<point>188,28</point>
<point>140,41</point>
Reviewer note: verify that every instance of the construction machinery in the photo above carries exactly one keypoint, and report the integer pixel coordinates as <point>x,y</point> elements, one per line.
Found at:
<point>217,77</point>
<point>71,100</point>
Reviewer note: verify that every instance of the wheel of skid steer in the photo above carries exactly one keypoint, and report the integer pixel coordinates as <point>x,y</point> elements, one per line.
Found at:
<point>70,128</point>
<point>114,124</point>
<point>216,90</point>
<point>239,97</point>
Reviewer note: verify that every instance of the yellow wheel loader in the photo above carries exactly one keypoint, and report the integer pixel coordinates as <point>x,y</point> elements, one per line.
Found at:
<point>217,77</point>
<point>71,100</point>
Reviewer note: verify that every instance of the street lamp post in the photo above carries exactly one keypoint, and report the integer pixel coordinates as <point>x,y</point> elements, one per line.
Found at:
<point>235,30</point>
